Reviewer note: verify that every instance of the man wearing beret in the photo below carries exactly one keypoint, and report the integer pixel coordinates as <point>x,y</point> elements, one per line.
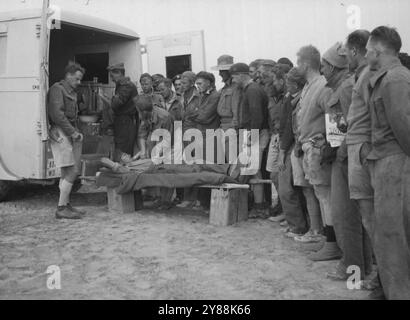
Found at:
<point>122,105</point>
<point>253,115</point>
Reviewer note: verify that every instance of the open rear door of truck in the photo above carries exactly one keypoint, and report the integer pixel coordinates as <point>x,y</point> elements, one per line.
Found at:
<point>22,107</point>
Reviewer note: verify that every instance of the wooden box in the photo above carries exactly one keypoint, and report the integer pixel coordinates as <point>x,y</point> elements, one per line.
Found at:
<point>228,206</point>
<point>123,203</point>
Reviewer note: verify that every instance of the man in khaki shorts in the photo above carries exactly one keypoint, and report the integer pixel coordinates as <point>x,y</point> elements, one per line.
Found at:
<point>65,138</point>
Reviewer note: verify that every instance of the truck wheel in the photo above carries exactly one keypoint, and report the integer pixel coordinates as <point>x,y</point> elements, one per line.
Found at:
<point>5,187</point>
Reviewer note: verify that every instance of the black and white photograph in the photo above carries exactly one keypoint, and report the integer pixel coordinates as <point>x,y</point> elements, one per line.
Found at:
<point>212,152</point>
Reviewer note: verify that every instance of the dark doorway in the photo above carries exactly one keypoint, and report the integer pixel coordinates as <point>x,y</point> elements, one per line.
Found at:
<point>95,65</point>
<point>177,65</point>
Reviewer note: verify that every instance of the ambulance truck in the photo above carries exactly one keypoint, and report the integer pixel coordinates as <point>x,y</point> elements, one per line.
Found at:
<point>35,47</point>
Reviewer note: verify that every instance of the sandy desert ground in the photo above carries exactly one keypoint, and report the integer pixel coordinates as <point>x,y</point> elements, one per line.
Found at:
<point>150,255</point>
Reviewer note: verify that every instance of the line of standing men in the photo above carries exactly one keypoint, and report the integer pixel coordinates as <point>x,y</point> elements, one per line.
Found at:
<point>356,194</point>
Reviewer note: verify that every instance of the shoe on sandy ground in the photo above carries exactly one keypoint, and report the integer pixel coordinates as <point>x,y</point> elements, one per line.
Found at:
<point>278,218</point>
<point>293,233</point>
<point>258,214</point>
<point>76,210</point>
<point>329,251</point>
<point>284,223</point>
<point>377,294</point>
<point>66,213</point>
<point>371,284</point>
<point>310,237</point>
<point>186,204</point>
<point>337,274</point>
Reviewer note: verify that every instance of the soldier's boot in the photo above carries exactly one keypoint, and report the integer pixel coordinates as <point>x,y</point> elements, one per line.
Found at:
<point>66,213</point>
<point>330,251</point>
<point>76,210</point>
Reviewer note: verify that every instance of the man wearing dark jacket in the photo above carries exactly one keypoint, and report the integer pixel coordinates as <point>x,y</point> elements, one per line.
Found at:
<point>253,113</point>
<point>123,106</point>
<point>290,195</point>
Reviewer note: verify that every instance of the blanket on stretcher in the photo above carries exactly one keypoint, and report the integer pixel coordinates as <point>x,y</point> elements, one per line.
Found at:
<point>167,176</point>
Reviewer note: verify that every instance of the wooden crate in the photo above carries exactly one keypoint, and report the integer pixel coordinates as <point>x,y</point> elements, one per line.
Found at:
<point>122,203</point>
<point>228,206</point>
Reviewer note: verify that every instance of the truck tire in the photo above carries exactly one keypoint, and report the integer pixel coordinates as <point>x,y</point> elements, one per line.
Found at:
<point>5,187</point>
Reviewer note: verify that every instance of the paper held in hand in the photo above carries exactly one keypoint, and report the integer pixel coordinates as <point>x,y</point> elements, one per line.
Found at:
<point>333,135</point>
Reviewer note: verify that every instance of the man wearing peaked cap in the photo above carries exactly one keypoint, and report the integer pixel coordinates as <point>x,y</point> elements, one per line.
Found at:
<point>123,110</point>
<point>253,115</point>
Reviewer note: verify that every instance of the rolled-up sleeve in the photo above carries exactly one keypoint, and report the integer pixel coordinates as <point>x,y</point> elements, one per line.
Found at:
<point>56,111</point>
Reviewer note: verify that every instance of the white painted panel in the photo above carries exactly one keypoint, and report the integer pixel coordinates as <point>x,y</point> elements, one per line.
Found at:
<point>20,144</point>
<point>160,47</point>
<point>19,140</point>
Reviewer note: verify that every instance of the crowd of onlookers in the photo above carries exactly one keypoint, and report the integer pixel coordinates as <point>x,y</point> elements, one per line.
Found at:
<point>352,194</point>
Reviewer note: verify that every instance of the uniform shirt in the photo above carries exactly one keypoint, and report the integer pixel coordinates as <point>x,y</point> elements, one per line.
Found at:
<point>157,99</point>
<point>390,110</point>
<point>319,98</point>
<point>174,107</point>
<point>228,106</point>
<point>312,109</point>
<point>254,107</point>
<point>160,119</point>
<point>358,118</point>
<point>62,107</point>
<point>122,102</point>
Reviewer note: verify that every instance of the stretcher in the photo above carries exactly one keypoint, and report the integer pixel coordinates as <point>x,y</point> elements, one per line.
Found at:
<point>229,198</point>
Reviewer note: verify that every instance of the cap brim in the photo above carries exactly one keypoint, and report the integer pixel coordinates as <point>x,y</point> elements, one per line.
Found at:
<point>223,67</point>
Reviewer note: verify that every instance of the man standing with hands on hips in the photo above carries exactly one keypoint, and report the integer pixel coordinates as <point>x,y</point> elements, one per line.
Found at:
<point>65,138</point>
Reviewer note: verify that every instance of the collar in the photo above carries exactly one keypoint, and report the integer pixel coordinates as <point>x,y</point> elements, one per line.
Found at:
<point>195,93</point>
<point>296,98</point>
<point>67,87</point>
<point>208,92</point>
<point>359,70</point>
<point>279,97</point>
<point>315,79</point>
<point>248,83</point>
<point>172,99</point>
<point>337,79</point>
<point>228,83</point>
<point>394,62</point>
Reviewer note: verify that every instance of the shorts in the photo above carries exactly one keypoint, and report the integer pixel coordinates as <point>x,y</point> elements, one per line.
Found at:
<point>315,173</point>
<point>66,152</point>
<point>273,154</point>
<point>297,171</point>
<point>358,174</point>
